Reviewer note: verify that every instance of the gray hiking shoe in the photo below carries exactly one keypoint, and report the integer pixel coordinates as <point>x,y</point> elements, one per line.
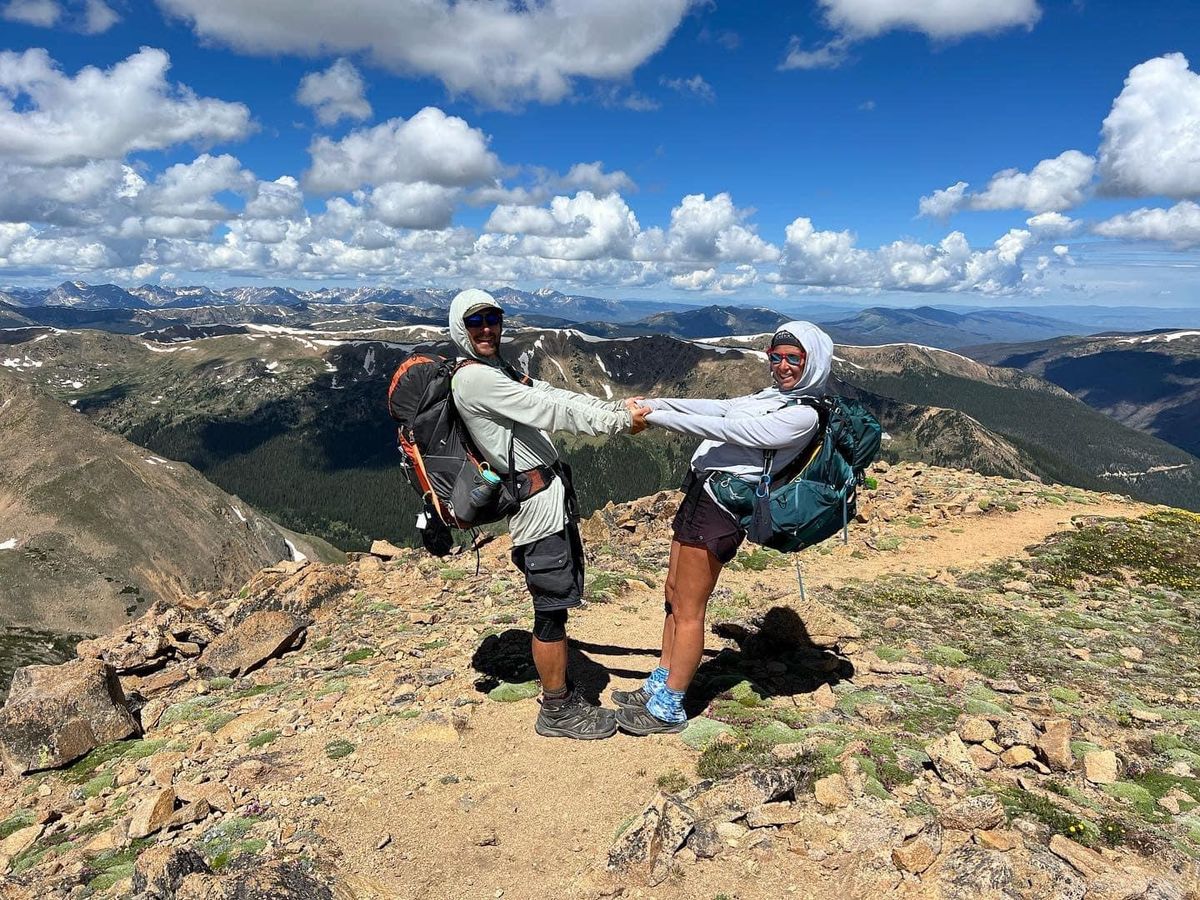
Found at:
<point>575,718</point>
<point>631,699</point>
<point>639,721</point>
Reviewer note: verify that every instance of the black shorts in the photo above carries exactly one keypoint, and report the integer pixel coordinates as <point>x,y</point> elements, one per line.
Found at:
<point>702,522</point>
<point>553,568</point>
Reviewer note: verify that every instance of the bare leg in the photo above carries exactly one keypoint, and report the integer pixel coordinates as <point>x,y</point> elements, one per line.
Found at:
<point>550,658</point>
<point>696,572</point>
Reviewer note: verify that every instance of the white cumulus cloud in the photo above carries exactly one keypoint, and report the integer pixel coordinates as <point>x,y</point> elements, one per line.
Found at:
<point>1178,225</point>
<point>501,52</point>
<point>1151,135</point>
<point>944,203</point>
<point>1051,186</point>
<point>941,19</point>
<point>49,118</point>
<point>431,147</point>
<point>335,94</point>
<point>1052,225</point>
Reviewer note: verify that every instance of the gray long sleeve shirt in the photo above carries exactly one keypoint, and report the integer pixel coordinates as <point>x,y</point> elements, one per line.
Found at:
<point>497,409</point>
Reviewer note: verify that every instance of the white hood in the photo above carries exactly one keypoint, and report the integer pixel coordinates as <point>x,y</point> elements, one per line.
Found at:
<point>818,346</point>
<point>463,301</point>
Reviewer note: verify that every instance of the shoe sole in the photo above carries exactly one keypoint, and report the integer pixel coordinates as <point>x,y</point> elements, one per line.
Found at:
<point>661,728</point>
<point>549,731</point>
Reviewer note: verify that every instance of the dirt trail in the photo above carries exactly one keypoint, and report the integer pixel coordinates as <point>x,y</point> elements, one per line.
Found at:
<point>489,809</point>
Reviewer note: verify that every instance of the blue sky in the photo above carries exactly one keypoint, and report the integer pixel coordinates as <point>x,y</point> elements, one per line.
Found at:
<point>1001,152</point>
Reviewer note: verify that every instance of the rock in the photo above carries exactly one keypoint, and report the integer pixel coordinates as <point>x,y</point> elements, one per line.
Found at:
<point>261,636</point>
<point>951,760</point>
<point>1043,876</point>
<point>1148,716</point>
<point>385,549</point>
<point>705,841</point>
<point>774,814</point>
<point>1017,756</point>
<point>56,714</point>
<point>244,727</point>
<point>284,880</point>
<point>1054,746</point>
<point>971,872</point>
<point>152,813</point>
<point>161,869</point>
<point>732,798</point>
<point>984,760</point>
<point>217,796</point>
<point>832,790</point>
<point>918,854</point>
<point>975,729</point>
<point>189,814</point>
<point>731,832</point>
<point>647,847</point>
<point>823,697</point>
<point>1133,654</point>
<point>1015,730</point>
<point>980,812</point>
<point>20,841</point>
<point>163,766</point>
<point>1002,839</point>
<point>1086,862</point>
<point>1100,766</point>
<point>432,677</point>
<point>1117,885</point>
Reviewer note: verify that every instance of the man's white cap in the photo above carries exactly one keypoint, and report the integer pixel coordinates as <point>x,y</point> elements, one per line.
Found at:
<point>476,301</point>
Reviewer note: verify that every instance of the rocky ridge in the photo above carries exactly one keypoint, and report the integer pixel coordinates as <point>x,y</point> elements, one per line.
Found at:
<point>942,713</point>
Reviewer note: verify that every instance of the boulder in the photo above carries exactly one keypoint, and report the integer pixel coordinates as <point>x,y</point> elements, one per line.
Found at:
<point>647,847</point>
<point>1054,746</point>
<point>951,760</point>
<point>161,869</point>
<point>259,637</point>
<point>980,812</point>
<point>385,549</point>
<point>732,798</point>
<point>918,854</point>
<point>1100,766</point>
<point>56,714</point>
<point>152,813</point>
<point>832,790</point>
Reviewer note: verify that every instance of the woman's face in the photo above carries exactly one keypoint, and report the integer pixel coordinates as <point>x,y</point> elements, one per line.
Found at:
<point>787,365</point>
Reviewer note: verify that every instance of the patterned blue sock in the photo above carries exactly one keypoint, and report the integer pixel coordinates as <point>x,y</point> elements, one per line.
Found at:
<point>667,705</point>
<point>656,679</point>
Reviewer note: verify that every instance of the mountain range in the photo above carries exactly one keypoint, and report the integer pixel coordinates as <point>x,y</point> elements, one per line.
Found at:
<point>94,528</point>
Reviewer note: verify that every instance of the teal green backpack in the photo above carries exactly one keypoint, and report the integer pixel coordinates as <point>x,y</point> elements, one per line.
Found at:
<point>815,495</point>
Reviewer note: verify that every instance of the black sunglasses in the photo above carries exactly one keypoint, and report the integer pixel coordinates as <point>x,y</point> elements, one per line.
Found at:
<point>794,359</point>
<point>492,317</point>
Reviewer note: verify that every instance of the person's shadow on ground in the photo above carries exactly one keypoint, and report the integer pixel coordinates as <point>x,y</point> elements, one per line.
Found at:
<point>507,657</point>
<point>774,654</point>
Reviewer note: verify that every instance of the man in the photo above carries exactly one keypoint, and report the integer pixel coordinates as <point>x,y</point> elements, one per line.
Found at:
<point>504,412</point>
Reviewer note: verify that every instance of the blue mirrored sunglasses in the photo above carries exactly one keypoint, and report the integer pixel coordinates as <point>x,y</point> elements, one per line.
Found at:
<point>492,317</point>
<point>794,359</point>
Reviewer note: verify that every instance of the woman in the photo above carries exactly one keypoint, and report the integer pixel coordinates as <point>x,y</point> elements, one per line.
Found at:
<point>706,536</point>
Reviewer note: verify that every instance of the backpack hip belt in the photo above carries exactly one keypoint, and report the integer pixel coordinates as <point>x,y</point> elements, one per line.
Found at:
<point>532,482</point>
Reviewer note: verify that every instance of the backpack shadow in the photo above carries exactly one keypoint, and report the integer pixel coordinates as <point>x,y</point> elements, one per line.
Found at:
<point>507,657</point>
<point>775,655</point>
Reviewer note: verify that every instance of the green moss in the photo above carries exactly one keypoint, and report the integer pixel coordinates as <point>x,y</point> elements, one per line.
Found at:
<point>358,655</point>
<point>220,841</point>
<point>745,694</point>
<point>339,748</point>
<point>109,878</point>
<point>453,574</point>
<point>605,585</point>
<point>22,818</point>
<point>722,758</point>
<point>262,739</point>
<point>187,710</point>
<point>1018,803</point>
<point>99,785</point>
<point>218,720</point>
<point>672,782</point>
<point>944,655</point>
<point>890,654</point>
<point>1164,742</point>
<point>852,701</point>
<point>322,643</point>
<point>1064,694</point>
<point>219,683</point>
<point>84,769</point>
<point>507,692</point>
<point>1136,796</point>
<point>984,708</point>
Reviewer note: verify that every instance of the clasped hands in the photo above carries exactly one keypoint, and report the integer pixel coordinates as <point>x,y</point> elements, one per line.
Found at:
<point>638,412</point>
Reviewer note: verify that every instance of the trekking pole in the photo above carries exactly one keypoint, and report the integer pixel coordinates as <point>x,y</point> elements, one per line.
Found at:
<point>845,521</point>
<point>800,579</point>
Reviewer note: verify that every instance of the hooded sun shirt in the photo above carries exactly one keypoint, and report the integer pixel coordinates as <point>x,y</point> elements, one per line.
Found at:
<point>737,431</point>
<point>495,409</point>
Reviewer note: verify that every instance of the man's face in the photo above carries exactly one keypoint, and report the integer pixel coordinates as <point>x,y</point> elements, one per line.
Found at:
<point>787,365</point>
<point>484,327</point>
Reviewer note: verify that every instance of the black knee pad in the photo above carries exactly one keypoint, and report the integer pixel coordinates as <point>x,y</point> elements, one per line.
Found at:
<point>550,627</point>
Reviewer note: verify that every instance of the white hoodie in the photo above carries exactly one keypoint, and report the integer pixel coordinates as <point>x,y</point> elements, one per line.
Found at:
<point>495,409</point>
<point>737,431</point>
